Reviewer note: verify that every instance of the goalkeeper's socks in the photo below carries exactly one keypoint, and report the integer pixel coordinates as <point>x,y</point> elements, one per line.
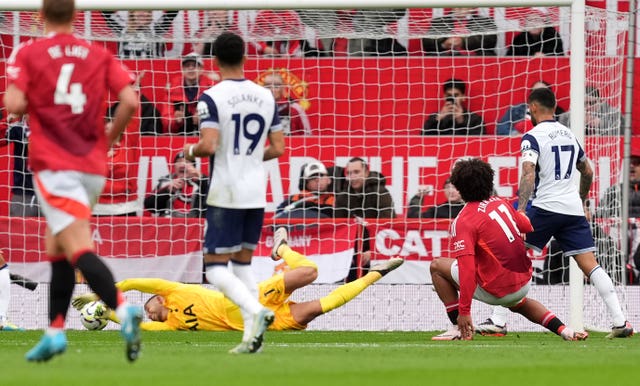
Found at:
<point>63,279</point>
<point>607,291</point>
<point>295,259</point>
<point>98,276</point>
<point>347,292</point>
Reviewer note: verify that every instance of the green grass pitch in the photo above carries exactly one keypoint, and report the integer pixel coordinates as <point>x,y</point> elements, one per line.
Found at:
<point>310,358</point>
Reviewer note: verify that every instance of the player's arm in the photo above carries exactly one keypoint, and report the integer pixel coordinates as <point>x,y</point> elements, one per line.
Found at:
<point>15,101</point>
<point>126,108</point>
<point>209,130</point>
<point>276,146</point>
<point>145,326</point>
<point>530,152</point>
<point>150,286</point>
<point>276,137</point>
<point>586,178</point>
<point>467,275</point>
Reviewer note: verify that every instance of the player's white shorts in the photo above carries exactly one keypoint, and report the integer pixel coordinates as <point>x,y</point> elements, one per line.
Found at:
<point>509,300</point>
<point>66,196</point>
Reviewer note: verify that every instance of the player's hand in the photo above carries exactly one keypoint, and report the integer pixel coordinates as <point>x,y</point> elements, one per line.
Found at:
<point>465,325</point>
<point>102,311</point>
<point>79,301</point>
<point>523,222</point>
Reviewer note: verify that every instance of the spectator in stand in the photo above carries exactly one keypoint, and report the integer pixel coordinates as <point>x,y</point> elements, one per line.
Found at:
<point>538,39</point>
<point>216,22</point>
<point>285,24</point>
<point>454,118</point>
<point>449,209</point>
<point>600,117</point>
<point>293,118</point>
<point>464,31</point>
<point>180,194</point>
<point>119,196</point>
<point>139,34</point>
<point>315,200</point>
<point>365,196</point>
<point>180,112</point>
<point>150,116</point>
<point>24,202</point>
<point>517,120</point>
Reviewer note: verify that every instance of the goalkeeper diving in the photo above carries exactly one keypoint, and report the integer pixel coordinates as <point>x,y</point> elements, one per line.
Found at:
<point>177,306</point>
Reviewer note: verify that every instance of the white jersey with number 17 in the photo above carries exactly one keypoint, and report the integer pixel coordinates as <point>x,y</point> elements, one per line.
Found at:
<point>557,152</point>
<point>244,114</point>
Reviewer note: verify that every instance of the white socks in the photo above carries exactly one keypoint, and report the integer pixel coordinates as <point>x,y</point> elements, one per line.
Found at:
<point>499,315</point>
<point>601,280</point>
<point>245,274</point>
<point>5,293</point>
<point>234,288</point>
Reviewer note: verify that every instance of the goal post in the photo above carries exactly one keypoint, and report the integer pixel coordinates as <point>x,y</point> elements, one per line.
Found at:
<point>373,107</point>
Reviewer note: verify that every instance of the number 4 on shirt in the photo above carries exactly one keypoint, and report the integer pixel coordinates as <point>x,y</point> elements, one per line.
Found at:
<point>69,94</point>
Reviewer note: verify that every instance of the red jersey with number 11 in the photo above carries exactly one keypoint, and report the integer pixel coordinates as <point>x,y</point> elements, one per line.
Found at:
<point>485,238</point>
<point>66,81</point>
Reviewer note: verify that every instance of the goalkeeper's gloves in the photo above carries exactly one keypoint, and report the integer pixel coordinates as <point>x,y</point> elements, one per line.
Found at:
<point>79,301</point>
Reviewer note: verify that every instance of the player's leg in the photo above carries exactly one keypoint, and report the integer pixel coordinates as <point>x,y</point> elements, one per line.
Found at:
<point>305,312</point>
<point>539,314</point>
<point>224,239</point>
<point>576,240</point>
<point>444,275</point>
<point>66,199</point>
<point>5,297</point>
<point>54,341</point>
<point>303,271</point>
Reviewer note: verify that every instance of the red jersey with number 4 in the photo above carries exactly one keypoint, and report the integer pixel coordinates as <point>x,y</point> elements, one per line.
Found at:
<point>486,240</point>
<point>66,81</point>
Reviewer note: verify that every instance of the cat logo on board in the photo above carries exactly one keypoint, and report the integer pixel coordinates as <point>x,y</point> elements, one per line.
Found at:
<point>293,87</point>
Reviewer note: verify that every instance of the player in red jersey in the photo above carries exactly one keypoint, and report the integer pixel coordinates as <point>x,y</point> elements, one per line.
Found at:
<point>62,83</point>
<point>489,261</point>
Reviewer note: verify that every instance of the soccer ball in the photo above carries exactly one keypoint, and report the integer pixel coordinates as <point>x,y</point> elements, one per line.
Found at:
<point>91,315</point>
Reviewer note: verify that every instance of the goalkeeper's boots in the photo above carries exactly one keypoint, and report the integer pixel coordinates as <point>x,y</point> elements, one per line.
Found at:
<point>452,333</point>
<point>624,331</point>
<point>489,328</point>
<point>261,321</point>
<point>280,237</point>
<point>48,346</point>
<point>569,334</point>
<point>8,326</point>
<point>130,330</point>
<point>387,266</point>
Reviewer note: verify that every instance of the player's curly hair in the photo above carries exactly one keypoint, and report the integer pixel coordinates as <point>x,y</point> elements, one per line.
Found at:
<point>473,178</point>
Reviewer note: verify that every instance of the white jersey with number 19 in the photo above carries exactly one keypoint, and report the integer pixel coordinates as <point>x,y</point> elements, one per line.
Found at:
<point>556,151</point>
<point>244,114</point>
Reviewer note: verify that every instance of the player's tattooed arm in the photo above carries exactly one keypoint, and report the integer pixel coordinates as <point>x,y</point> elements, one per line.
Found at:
<point>586,178</point>
<point>527,183</point>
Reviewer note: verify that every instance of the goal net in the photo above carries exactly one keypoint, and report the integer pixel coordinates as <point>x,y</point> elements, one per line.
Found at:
<point>351,83</point>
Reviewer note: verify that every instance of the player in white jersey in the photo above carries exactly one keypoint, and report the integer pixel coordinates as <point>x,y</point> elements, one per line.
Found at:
<point>551,155</point>
<point>236,118</point>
